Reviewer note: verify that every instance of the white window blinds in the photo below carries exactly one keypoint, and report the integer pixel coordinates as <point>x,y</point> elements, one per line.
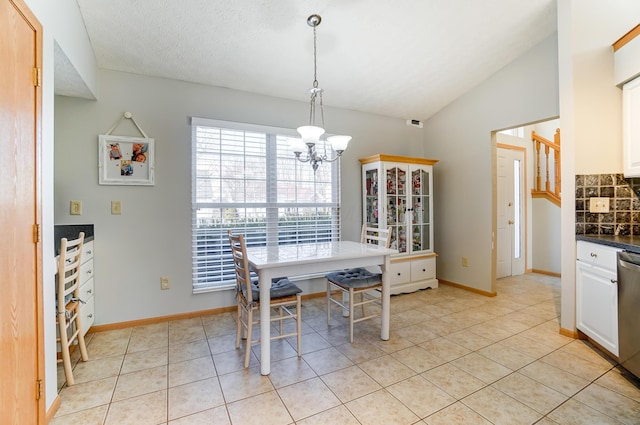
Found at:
<point>246,179</point>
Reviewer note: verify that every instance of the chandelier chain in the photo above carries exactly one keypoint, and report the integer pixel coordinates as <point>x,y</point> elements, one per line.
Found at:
<point>315,59</point>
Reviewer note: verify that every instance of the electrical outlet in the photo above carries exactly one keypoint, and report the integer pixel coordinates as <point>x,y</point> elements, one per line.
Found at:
<point>599,205</point>
<point>75,208</point>
<point>465,262</point>
<point>164,283</point>
<point>116,207</point>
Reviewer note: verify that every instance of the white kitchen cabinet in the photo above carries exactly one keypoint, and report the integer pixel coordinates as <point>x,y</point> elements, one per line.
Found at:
<point>398,193</point>
<point>626,57</point>
<point>597,294</point>
<point>631,128</point>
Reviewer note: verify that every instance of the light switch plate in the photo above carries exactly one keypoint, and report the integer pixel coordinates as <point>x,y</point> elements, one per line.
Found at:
<point>75,208</point>
<point>164,283</point>
<point>116,207</point>
<point>599,205</point>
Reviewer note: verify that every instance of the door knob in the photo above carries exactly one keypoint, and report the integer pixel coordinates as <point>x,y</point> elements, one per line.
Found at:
<point>511,221</point>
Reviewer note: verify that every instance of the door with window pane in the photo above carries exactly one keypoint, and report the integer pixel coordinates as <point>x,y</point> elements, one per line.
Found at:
<point>396,205</point>
<point>421,229</point>
<point>510,213</point>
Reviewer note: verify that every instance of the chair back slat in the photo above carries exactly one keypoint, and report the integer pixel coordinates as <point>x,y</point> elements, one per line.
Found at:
<point>69,269</point>
<point>241,266</point>
<point>376,236</point>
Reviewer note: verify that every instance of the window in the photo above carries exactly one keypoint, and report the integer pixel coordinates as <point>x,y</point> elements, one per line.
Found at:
<point>517,209</point>
<point>515,132</point>
<point>246,179</point>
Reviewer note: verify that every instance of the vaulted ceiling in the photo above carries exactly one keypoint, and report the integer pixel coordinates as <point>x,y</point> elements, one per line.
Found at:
<point>398,58</point>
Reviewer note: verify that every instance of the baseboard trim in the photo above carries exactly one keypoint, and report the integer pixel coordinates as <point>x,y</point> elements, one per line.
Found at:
<point>159,319</point>
<point>179,316</point>
<point>469,288</point>
<point>545,272</point>
<point>575,334</point>
<point>52,410</point>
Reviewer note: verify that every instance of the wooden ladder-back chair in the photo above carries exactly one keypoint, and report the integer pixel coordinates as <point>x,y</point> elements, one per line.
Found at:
<point>284,296</point>
<point>68,303</point>
<point>358,281</point>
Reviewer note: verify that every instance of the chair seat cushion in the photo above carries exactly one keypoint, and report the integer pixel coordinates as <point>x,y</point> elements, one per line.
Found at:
<point>355,278</point>
<point>280,287</point>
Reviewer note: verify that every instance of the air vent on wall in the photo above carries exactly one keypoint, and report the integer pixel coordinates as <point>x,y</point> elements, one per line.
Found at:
<point>414,123</point>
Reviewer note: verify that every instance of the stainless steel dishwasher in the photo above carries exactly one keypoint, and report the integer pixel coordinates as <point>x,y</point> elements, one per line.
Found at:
<point>628,309</point>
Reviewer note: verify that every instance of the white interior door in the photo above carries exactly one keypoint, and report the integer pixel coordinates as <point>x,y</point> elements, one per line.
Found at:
<point>510,208</point>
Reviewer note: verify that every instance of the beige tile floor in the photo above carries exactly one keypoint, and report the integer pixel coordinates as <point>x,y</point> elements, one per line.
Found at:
<point>454,357</point>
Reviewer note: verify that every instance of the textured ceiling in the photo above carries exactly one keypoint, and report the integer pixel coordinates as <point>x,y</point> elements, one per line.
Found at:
<point>399,58</point>
<point>67,79</point>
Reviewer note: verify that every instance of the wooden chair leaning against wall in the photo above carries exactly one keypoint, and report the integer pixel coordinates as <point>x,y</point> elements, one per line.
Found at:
<point>358,281</point>
<point>68,303</point>
<point>284,296</point>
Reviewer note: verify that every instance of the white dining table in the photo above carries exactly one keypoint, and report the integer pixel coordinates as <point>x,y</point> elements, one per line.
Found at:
<point>304,259</point>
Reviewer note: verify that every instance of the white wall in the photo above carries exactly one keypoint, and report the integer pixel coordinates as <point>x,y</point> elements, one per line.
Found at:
<point>459,136</point>
<point>546,235</point>
<point>590,110</point>
<point>152,237</point>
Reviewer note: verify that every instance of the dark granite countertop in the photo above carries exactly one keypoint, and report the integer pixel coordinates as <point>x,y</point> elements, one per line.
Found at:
<point>71,231</point>
<point>628,243</point>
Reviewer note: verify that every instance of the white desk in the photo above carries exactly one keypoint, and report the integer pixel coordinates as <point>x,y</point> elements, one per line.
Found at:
<point>293,260</point>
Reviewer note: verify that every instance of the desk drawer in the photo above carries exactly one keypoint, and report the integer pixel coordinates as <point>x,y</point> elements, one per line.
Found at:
<point>602,256</point>
<point>86,271</point>
<point>87,315</point>
<point>87,251</point>
<point>86,290</point>
<point>423,269</point>
<point>400,272</point>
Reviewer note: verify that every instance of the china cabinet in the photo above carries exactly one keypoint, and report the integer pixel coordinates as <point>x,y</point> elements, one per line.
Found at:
<point>398,193</point>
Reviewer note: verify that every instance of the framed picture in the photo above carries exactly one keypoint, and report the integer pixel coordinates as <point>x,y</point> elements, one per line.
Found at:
<point>125,160</point>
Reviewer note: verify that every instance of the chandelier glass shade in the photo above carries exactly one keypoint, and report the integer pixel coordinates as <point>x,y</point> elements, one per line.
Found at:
<point>311,134</point>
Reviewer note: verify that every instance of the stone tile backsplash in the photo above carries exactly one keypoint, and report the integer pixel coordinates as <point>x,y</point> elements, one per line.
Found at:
<point>623,217</point>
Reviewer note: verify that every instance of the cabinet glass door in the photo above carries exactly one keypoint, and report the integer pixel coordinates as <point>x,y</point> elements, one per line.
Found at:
<point>420,211</point>
<point>396,189</point>
<point>371,197</point>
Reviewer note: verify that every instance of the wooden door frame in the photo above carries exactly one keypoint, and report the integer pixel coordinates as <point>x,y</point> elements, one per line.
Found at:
<point>21,7</point>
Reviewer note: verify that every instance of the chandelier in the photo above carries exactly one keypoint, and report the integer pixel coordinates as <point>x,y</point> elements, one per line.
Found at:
<point>311,133</point>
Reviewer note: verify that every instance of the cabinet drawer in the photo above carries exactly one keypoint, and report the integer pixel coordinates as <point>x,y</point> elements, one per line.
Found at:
<point>87,315</point>
<point>598,255</point>
<point>423,269</point>
<point>86,290</point>
<point>400,272</point>
<point>87,251</point>
<point>86,271</point>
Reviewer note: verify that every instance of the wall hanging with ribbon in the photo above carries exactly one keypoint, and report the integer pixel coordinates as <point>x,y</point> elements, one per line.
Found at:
<point>124,160</point>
